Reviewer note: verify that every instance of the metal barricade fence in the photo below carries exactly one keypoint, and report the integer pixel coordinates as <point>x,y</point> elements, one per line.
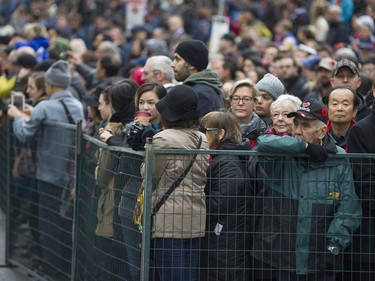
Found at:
<point>254,224</point>
<point>39,234</point>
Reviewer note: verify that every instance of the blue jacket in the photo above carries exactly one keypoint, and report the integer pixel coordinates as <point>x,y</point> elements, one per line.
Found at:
<point>311,205</point>
<point>54,143</point>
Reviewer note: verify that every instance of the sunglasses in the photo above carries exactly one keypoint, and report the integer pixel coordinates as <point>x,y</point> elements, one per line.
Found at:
<point>205,130</point>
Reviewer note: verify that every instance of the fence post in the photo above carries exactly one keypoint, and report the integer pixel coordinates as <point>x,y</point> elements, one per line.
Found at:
<point>146,219</point>
<point>78,160</point>
<point>8,190</point>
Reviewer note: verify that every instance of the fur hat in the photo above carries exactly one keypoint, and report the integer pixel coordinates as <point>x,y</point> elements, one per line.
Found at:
<point>58,74</point>
<point>194,52</point>
<point>272,85</point>
<point>180,104</point>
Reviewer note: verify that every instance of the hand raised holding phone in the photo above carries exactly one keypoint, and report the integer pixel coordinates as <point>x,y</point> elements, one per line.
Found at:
<point>18,100</point>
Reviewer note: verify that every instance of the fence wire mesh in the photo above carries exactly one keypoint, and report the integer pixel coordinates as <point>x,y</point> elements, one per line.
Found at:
<point>254,217</point>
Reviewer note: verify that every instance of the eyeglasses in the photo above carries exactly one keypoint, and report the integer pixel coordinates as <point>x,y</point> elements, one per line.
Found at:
<point>205,130</point>
<point>277,114</point>
<point>245,100</point>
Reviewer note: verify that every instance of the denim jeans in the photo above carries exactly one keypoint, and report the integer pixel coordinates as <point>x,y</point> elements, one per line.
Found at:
<point>176,259</point>
<point>132,239</point>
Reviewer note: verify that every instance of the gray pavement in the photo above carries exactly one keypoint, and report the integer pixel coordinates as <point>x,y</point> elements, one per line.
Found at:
<point>8,273</point>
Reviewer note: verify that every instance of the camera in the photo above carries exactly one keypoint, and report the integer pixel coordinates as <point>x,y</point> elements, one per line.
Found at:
<point>134,136</point>
<point>136,131</point>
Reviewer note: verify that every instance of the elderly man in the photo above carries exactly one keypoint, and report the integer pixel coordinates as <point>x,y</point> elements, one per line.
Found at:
<point>342,107</point>
<point>346,74</point>
<point>158,69</point>
<point>53,154</point>
<point>312,208</point>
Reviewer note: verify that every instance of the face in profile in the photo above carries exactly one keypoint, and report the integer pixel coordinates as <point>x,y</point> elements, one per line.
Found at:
<point>32,89</point>
<point>308,130</point>
<point>104,108</point>
<point>180,68</point>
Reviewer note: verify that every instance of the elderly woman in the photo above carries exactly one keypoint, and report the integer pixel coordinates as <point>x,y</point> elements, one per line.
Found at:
<point>223,249</point>
<point>243,97</point>
<point>282,124</point>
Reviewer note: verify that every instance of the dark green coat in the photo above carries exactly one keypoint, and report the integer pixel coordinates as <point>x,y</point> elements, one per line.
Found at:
<point>310,205</point>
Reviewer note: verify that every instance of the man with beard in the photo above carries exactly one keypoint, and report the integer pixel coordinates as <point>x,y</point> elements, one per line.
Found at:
<point>324,72</point>
<point>189,66</point>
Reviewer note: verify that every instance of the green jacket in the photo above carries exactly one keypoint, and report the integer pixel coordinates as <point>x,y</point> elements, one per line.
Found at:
<point>311,205</point>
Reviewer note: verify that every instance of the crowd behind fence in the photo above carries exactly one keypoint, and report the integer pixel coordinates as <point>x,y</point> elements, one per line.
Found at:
<point>100,240</point>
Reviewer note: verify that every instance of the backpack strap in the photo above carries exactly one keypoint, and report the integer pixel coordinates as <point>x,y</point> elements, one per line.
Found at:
<point>177,182</point>
<point>68,114</point>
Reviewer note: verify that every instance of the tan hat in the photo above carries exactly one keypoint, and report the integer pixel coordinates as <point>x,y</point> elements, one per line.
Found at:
<point>327,63</point>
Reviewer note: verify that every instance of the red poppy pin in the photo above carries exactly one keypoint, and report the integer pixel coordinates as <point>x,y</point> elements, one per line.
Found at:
<point>306,104</point>
<point>324,112</point>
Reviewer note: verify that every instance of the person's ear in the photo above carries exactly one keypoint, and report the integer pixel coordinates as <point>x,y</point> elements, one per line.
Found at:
<point>322,132</point>
<point>221,134</point>
<point>332,82</point>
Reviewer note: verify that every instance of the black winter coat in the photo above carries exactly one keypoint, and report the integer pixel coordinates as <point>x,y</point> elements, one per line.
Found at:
<point>361,139</point>
<point>225,255</point>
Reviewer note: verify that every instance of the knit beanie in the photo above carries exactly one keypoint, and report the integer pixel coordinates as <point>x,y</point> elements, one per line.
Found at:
<point>272,85</point>
<point>58,74</point>
<point>193,52</point>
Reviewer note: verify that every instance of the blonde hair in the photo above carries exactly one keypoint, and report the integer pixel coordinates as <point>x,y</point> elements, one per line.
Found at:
<point>244,83</point>
<point>32,30</point>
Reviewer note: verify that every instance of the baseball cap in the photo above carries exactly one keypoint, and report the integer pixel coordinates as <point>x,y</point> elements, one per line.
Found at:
<point>346,63</point>
<point>327,63</point>
<point>312,110</point>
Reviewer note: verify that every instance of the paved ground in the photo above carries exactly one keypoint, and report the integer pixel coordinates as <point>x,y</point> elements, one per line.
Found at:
<point>8,273</point>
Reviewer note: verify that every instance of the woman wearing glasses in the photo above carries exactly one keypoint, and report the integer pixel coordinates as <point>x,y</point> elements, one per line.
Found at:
<point>243,98</point>
<point>223,249</point>
<point>282,125</point>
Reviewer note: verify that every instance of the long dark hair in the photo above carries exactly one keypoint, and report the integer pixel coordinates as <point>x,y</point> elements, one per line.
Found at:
<point>122,93</point>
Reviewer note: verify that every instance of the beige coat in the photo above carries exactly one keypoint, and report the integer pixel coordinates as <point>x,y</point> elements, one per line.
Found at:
<point>183,215</point>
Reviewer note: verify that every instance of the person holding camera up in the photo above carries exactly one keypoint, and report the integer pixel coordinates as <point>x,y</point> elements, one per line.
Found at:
<point>146,124</point>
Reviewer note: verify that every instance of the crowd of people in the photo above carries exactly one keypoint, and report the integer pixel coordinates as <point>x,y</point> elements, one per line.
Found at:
<point>290,77</point>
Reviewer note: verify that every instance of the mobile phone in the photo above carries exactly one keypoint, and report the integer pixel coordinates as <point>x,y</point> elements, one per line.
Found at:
<point>18,100</point>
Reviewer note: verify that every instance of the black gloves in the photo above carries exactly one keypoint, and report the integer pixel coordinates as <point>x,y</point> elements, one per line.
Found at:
<point>317,152</point>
